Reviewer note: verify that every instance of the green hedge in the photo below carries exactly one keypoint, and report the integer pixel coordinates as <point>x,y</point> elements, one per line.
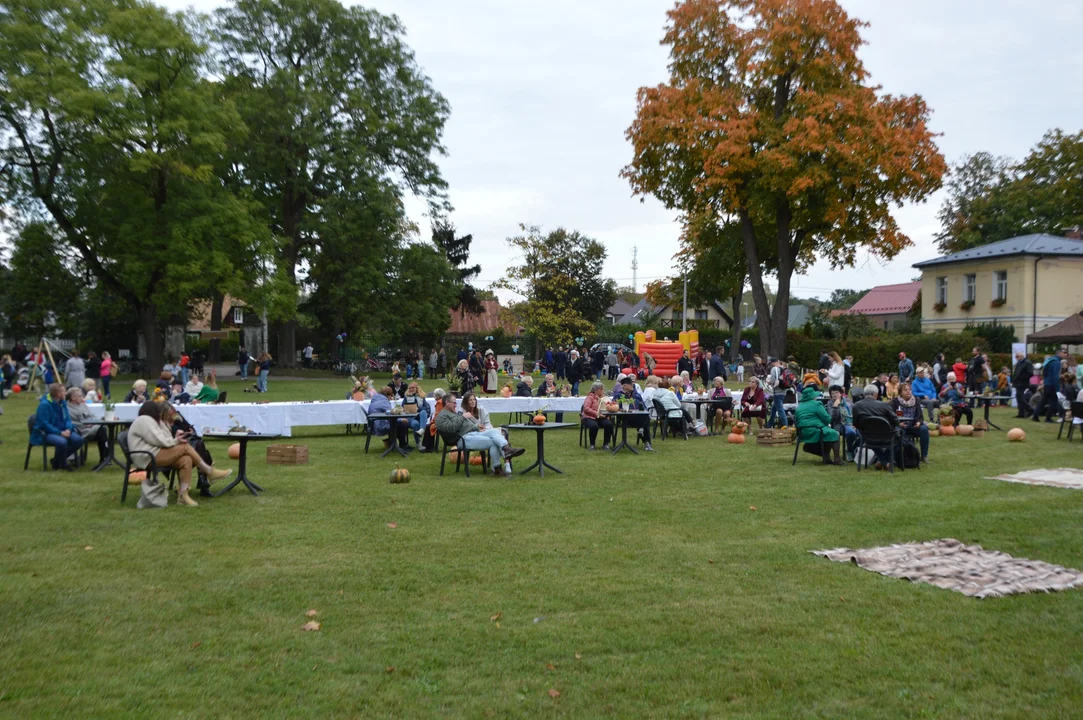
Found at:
<point>880,353</point>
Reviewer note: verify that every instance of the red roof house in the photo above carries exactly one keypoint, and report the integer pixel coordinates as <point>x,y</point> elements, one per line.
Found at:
<point>887,305</point>
<point>481,324</point>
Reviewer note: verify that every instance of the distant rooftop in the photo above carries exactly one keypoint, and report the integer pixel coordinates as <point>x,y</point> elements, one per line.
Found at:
<point>1039,244</point>
<point>887,299</point>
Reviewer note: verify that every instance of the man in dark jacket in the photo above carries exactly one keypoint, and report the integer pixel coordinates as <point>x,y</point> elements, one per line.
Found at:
<point>549,364</point>
<point>716,368</point>
<point>705,367</point>
<point>974,372</point>
<point>1050,387</point>
<point>397,386</point>
<point>1021,375</point>
<point>685,365</point>
<point>598,362</point>
<point>824,366</point>
<point>562,363</point>
<point>871,407</point>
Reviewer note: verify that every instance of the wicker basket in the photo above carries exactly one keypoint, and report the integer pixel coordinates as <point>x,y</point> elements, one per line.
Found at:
<point>287,454</point>
<point>775,436</point>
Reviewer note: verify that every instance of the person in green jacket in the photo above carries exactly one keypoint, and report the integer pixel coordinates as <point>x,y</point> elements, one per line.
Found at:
<point>814,425</point>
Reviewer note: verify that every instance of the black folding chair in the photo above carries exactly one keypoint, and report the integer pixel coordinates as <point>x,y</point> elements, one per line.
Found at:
<point>455,442</point>
<point>152,466</point>
<point>875,433</point>
<point>666,422</point>
<point>1076,409</point>
<point>820,433</point>
<point>30,423</point>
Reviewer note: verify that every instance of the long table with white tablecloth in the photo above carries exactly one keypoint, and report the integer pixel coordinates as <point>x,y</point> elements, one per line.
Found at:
<point>264,418</point>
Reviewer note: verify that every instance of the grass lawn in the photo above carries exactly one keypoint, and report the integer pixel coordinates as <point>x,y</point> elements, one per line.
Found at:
<point>677,584</point>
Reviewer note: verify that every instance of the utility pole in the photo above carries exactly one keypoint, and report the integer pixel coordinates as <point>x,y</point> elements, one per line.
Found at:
<point>684,305</point>
<point>635,267</point>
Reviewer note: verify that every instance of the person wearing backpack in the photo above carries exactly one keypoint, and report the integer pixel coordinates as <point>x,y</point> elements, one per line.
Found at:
<point>780,380</point>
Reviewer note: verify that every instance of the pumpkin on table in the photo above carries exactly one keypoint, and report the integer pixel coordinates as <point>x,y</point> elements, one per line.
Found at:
<point>539,419</point>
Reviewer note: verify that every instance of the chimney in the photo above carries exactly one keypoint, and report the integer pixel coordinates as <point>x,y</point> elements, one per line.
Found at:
<point>1075,233</point>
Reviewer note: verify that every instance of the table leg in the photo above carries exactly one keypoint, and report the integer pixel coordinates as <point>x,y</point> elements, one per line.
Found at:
<point>987,421</point>
<point>111,459</point>
<point>624,438</point>
<point>541,456</point>
<point>394,437</point>
<point>242,474</point>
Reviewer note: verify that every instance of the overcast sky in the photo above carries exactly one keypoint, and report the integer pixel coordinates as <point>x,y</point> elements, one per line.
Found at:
<point>542,93</point>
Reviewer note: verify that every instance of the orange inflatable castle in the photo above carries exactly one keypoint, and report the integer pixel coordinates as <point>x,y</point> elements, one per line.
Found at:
<point>666,353</point>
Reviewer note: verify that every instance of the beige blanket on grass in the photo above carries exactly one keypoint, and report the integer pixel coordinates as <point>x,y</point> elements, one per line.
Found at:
<point>1057,477</point>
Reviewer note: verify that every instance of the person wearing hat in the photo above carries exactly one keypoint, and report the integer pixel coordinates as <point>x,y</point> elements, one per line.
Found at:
<point>398,387</point>
<point>627,391</point>
<point>490,381</point>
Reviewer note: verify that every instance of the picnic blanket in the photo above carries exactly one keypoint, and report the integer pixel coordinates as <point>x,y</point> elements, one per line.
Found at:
<point>968,569</point>
<point>1057,477</point>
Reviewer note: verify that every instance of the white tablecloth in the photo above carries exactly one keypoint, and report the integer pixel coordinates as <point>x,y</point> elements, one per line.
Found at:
<point>271,418</point>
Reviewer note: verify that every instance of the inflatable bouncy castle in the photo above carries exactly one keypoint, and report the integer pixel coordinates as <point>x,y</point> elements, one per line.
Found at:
<point>666,353</point>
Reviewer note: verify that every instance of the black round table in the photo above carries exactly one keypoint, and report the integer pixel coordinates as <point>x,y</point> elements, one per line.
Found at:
<point>111,427</point>
<point>242,475</point>
<point>621,418</point>
<point>393,435</point>
<point>540,429</point>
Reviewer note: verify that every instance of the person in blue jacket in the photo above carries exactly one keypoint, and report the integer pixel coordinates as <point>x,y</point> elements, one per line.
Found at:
<point>925,392</point>
<point>53,426</point>
<point>1051,386</point>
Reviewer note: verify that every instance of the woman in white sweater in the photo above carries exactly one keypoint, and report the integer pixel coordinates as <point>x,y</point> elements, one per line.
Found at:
<point>152,433</point>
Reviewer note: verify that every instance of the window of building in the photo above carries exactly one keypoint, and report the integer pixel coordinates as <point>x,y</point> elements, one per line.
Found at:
<point>885,324</point>
<point>942,290</point>
<point>238,316</point>
<point>701,314</point>
<point>1000,285</point>
<point>970,288</point>
<point>677,314</point>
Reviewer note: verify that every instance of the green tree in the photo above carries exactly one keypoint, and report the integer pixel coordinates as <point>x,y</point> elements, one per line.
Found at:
<point>336,102</point>
<point>41,293</point>
<point>768,120</point>
<point>457,251</point>
<point>996,198</point>
<point>112,131</point>
<point>558,277</point>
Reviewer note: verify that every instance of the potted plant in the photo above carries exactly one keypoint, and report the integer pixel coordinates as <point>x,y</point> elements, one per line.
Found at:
<point>940,306</point>
<point>110,409</point>
<point>999,302</point>
<point>966,305</point>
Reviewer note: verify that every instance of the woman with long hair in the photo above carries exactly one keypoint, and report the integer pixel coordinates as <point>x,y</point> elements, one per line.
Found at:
<point>264,364</point>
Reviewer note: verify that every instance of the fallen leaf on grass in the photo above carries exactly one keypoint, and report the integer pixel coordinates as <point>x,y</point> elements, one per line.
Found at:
<point>196,644</point>
<point>390,669</point>
<point>711,561</point>
<point>392,525</point>
<point>842,598</point>
<point>751,507</point>
<point>309,626</point>
<point>578,656</point>
<point>494,618</point>
<point>554,693</point>
<point>550,666</point>
<point>311,613</point>
<point>89,547</point>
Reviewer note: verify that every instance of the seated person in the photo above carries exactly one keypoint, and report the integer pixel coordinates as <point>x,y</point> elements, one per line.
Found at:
<point>465,426</point>
<point>925,392</point>
<point>754,402</point>
<point>842,418</point>
<point>591,416</point>
<point>398,387</point>
<point>549,389</point>
<point>179,424</point>
<point>469,405</point>
<point>193,386</point>
<point>381,405</point>
<point>428,439</point>
<point>138,393</point>
<point>523,389</point>
<point>414,402</point>
<point>869,407</point>
<point>814,426</point>
<point>90,391</point>
<point>671,403</point>
<point>165,382</point>
<point>626,391</point>
<point>908,411</point>
<point>179,397</point>
<point>209,392</point>
<point>82,419</point>
<point>721,404</point>
<point>152,433</point>
<point>881,385</point>
<point>53,426</point>
<point>892,388</point>
<point>651,386</point>
<point>955,397</point>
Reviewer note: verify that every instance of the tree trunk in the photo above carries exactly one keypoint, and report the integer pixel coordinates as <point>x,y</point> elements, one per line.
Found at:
<point>215,354</point>
<point>152,338</point>
<point>759,294</point>
<point>735,334</point>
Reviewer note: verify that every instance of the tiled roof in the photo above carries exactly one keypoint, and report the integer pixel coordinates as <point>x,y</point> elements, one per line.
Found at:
<point>619,309</point>
<point>887,299</point>
<point>1040,244</point>
<point>486,321</point>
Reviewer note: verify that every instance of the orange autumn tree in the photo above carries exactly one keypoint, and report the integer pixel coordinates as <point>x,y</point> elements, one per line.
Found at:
<point>768,121</point>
